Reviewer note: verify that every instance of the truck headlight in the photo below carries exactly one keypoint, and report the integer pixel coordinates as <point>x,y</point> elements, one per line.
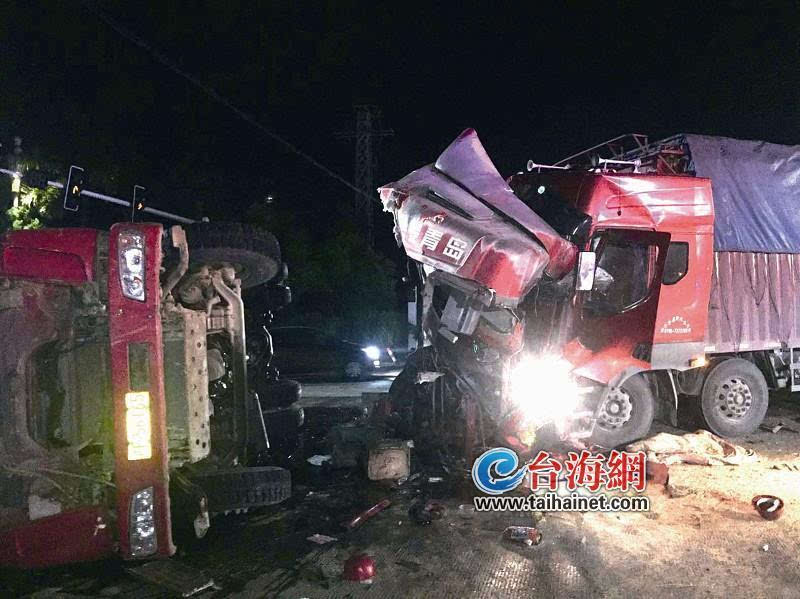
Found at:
<point>143,523</point>
<point>544,390</point>
<point>373,353</point>
<point>130,248</point>
<point>137,425</point>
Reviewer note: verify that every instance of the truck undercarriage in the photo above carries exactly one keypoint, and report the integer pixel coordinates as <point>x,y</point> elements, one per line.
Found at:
<point>92,316</point>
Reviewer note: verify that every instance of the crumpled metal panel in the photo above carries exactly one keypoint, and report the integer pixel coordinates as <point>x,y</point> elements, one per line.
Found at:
<point>756,189</point>
<point>755,302</point>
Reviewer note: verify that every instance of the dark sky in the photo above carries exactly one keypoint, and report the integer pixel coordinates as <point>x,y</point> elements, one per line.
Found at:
<point>535,82</point>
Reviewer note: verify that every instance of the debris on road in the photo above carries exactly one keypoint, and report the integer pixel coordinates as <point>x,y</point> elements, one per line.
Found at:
<point>173,576</point>
<point>318,460</point>
<point>779,426</point>
<point>425,512</point>
<point>527,535</point>
<point>657,473</point>
<point>321,539</point>
<point>367,514</point>
<point>768,507</point>
<point>359,568</point>
<point>465,510</point>
<point>676,490</point>
<point>435,479</point>
<point>389,459</point>
<point>701,447</point>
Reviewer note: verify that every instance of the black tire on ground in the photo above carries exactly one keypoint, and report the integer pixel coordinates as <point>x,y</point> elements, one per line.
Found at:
<point>405,393</point>
<point>640,396</point>
<point>735,398</point>
<point>253,252</point>
<point>238,488</point>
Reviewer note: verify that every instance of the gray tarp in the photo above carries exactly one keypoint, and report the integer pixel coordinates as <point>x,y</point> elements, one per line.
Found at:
<point>756,189</point>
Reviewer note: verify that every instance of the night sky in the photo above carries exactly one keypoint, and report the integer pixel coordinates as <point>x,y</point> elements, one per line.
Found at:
<point>535,82</point>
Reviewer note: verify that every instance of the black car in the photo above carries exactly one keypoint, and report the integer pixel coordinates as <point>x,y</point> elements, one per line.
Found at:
<point>309,351</point>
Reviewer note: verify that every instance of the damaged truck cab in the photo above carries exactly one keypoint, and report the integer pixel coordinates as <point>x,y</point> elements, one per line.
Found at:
<point>112,439</point>
<point>591,296</point>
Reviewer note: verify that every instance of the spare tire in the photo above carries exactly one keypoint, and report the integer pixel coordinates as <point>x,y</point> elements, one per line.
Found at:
<point>254,253</point>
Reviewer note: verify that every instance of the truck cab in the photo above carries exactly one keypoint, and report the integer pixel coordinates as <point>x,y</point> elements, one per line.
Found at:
<point>126,414</point>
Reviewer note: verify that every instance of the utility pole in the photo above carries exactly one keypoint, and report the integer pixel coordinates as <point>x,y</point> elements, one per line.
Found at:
<point>368,128</point>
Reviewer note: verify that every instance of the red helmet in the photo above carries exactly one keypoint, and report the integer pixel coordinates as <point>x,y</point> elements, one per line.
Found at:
<point>359,568</point>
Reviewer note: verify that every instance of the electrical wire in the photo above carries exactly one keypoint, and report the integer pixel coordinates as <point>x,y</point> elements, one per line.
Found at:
<point>215,95</point>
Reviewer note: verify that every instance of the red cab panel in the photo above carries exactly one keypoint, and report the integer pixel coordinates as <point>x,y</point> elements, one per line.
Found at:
<point>72,536</point>
<point>66,255</point>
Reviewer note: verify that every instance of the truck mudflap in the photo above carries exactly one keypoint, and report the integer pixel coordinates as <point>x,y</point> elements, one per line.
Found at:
<point>243,488</point>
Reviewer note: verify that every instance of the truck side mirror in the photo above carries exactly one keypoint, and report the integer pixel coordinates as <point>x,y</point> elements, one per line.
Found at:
<point>586,266</point>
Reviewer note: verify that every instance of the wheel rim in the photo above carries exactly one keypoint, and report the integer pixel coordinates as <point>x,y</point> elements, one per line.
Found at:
<point>733,398</point>
<point>617,410</point>
<point>353,370</point>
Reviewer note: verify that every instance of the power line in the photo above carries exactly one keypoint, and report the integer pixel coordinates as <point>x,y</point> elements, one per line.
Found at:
<point>210,91</point>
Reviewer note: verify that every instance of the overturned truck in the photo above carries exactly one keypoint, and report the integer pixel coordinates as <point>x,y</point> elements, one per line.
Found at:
<point>125,414</point>
<point>587,297</point>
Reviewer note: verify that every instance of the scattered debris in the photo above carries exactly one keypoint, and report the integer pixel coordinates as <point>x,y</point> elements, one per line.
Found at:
<point>367,514</point>
<point>321,539</point>
<point>173,576</point>
<point>465,510</point>
<point>778,427</point>
<point>359,568</point>
<point>435,479</point>
<point>413,566</point>
<point>701,447</point>
<point>785,466</point>
<point>527,535</point>
<point>765,547</point>
<point>318,460</point>
<point>676,490</point>
<point>657,473</point>
<point>389,459</point>
<point>768,507</point>
<point>425,512</point>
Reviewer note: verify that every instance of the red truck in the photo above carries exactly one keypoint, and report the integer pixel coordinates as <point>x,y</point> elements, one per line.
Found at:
<point>594,293</point>
<point>126,417</point>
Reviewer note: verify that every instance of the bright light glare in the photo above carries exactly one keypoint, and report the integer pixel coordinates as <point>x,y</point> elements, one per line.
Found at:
<point>373,353</point>
<point>542,388</point>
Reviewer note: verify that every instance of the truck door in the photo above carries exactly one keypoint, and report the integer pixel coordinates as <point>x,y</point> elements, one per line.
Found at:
<point>617,317</point>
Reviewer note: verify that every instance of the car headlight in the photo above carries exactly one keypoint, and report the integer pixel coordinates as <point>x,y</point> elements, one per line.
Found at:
<point>130,249</point>
<point>544,390</point>
<point>143,523</point>
<point>373,353</point>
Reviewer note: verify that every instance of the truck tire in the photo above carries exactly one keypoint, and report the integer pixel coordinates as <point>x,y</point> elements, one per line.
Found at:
<point>734,399</point>
<point>253,252</point>
<point>238,488</point>
<point>628,414</point>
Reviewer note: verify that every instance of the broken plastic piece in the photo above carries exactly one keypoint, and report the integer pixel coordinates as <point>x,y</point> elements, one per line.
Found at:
<point>527,535</point>
<point>367,514</point>
<point>321,539</point>
<point>359,568</point>
<point>426,512</point>
<point>318,460</point>
<point>768,507</point>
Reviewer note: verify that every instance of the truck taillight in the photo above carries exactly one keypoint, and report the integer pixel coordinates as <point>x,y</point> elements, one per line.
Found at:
<point>137,425</point>
<point>143,523</point>
<point>130,248</point>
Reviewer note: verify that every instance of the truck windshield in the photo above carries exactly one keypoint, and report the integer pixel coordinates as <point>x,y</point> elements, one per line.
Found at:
<point>623,274</point>
<point>546,201</point>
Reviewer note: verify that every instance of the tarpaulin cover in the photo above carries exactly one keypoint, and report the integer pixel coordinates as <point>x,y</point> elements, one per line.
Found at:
<point>756,189</point>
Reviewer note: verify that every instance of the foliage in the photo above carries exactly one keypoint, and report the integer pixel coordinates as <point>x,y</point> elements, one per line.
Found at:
<point>34,208</point>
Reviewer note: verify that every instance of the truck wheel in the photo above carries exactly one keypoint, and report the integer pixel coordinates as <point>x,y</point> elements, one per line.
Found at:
<point>734,398</point>
<point>628,414</point>
<point>252,252</point>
